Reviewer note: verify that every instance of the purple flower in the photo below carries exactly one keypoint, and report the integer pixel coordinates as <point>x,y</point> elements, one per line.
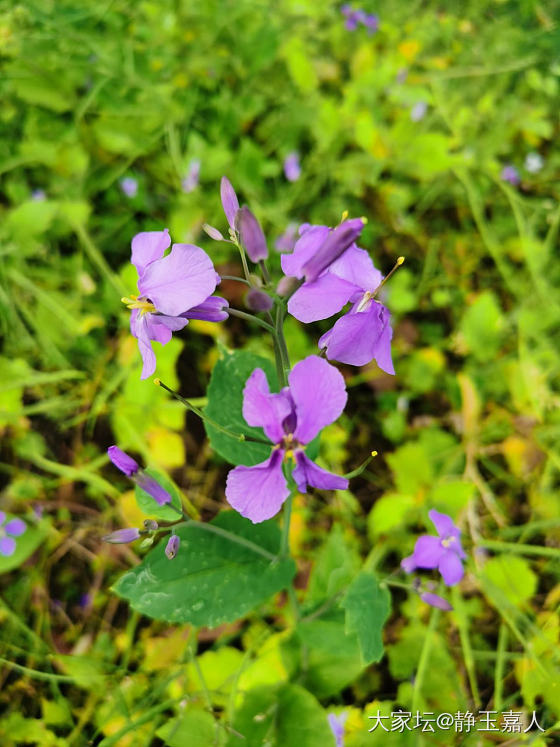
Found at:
<point>371,22</point>
<point>172,546</point>
<point>38,195</point>
<point>132,469</point>
<point>364,333</point>
<point>250,234</point>
<point>434,600</point>
<point>292,168</point>
<point>172,289</point>
<point>354,16</point>
<point>315,397</point>
<point>337,727</point>
<point>190,182</point>
<point>287,241</point>
<point>443,552</point>
<point>418,111</point>
<point>129,186</point>
<point>230,203</point>
<point>258,300</point>
<point>511,175</point>
<point>122,536</point>
<point>9,530</point>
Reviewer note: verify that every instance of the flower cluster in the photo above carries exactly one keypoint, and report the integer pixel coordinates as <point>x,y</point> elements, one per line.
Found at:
<point>9,530</point>
<point>356,16</point>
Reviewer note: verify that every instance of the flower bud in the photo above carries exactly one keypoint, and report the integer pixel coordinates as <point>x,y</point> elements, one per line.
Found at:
<point>122,461</point>
<point>258,300</point>
<point>172,546</point>
<point>122,536</point>
<point>153,488</point>
<point>212,232</point>
<point>434,600</point>
<point>150,525</point>
<point>251,234</point>
<point>230,203</point>
<point>287,285</point>
<point>336,243</point>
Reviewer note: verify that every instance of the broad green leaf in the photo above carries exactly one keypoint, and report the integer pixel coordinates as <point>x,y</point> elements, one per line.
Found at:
<point>149,506</point>
<point>213,579</point>
<point>412,468</point>
<point>336,564</point>
<point>288,716</point>
<point>194,728</point>
<point>367,608</point>
<point>513,576</point>
<point>390,511</point>
<point>225,406</point>
<point>482,326</point>
<point>25,546</point>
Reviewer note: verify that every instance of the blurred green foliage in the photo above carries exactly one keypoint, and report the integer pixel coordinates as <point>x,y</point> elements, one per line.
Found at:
<point>93,93</point>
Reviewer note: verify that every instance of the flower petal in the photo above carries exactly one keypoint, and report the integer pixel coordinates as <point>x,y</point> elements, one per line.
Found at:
<point>408,565</point>
<point>307,473</point>
<point>122,536</point>
<point>451,568</point>
<point>306,246</point>
<point>179,281</point>
<point>122,461</point>
<point>356,266</point>
<point>7,546</point>
<point>263,409</point>
<point>434,600</point>
<point>443,523</point>
<point>427,552</point>
<point>15,527</point>
<point>230,203</point>
<point>336,243</point>
<point>213,309</point>
<point>321,298</point>
<point>153,488</point>
<point>360,336</point>
<point>140,328</point>
<point>319,394</point>
<point>258,492</point>
<point>148,246</point>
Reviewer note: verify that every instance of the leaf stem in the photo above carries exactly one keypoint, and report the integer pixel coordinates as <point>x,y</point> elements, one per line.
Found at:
<point>519,548</point>
<point>229,536</point>
<point>250,318</point>
<point>424,658</point>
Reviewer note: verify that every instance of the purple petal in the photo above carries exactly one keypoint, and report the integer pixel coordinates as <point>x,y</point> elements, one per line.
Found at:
<point>320,299</point>
<point>149,246</point>
<point>356,266</point>
<point>306,246</point>
<point>361,336</point>
<point>161,326</point>
<point>172,546</point>
<point>443,523</point>
<point>230,203</point>
<point>263,409</point>
<point>258,492</point>
<point>122,536</point>
<point>7,546</point>
<point>286,242</point>
<point>319,394</point>
<point>428,552</point>
<point>451,568</point>
<point>15,527</point>
<point>307,473</point>
<point>122,461</point>
<point>153,488</point>
<point>140,329</point>
<point>434,600</point>
<point>408,565</point>
<point>292,168</point>
<point>334,245</point>
<point>211,310</point>
<point>257,300</point>
<point>251,234</point>
<point>336,724</point>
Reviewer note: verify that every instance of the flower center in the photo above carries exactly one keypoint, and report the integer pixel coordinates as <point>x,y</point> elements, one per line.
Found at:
<point>290,446</point>
<point>145,305</point>
<point>364,303</point>
<point>448,541</point>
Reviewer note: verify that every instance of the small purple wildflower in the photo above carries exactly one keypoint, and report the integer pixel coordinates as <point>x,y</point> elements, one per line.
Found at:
<point>38,195</point>
<point>434,600</point>
<point>337,727</point>
<point>287,241</point>
<point>355,16</point>
<point>132,469</point>
<point>418,111</point>
<point>122,536</point>
<point>511,175</point>
<point>172,546</point>
<point>292,168</point>
<point>443,552</point>
<point>534,163</point>
<point>129,186</point>
<point>315,397</point>
<point>251,234</point>
<point>371,22</point>
<point>9,530</point>
<point>172,289</point>
<point>190,181</point>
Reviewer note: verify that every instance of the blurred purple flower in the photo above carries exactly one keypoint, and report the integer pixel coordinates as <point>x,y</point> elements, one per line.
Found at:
<point>172,289</point>
<point>129,186</point>
<point>38,195</point>
<point>258,300</point>
<point>9,530</point>
<point>354,16</point>
<point>443,552</point>
<point>132,469</point>
<point>511,175</point>
<point>292,168</point>
<point>434,600</point>
<point>418,111</point>
<point>190,181</point>
<point>534,162</point>
<point>337,727</point>
<point>172,546</point>
<point>287,241</point>
<point>371,22</point>
<point>122,536</point>
<point>315,397</point>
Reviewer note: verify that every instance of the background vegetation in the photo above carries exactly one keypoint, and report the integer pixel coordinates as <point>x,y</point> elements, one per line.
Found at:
<point>93,93</point>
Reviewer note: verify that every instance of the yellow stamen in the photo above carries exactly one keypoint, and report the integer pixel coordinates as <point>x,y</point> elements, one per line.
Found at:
<point>374,453</point>
<point>289,454</point>
<point>344,216</point>
<point>134,303</point>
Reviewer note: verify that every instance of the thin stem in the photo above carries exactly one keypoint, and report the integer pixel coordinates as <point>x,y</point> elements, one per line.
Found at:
<point>499,671</point>
<point>264,270</point>
<point>361,468</point>
<point>520,549</point>
<point>424,659</point>
<point>244,262</point>
<point>234,277</point>
<point>229,536</point>
<point>285,544</point>
<point>466,643</point>
<point>250,318</point>
<point>201,414</point>
<point>281,343</point>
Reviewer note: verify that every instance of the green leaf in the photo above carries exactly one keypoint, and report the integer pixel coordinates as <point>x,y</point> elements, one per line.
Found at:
<point>513,576</point>
<point>25,546</point>
<point>482,326</point>
<point>149,506</point>
<point>367,608</point>
<point>281,717</point>
<point>225,406</point>
<point>389,512</point>
<point>336,564</point>
<point>213,579</point>
<point>195,727</point>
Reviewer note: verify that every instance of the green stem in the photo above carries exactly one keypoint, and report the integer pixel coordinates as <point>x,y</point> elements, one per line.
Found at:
<point>519,549</point>
<point>201,414</point>
<point>499,671</point>
<point>244,262</point>
<point>285,544</point>
<point>281,343</point>
<point>424,659</point>
<point>466,642</point>
<point>250,318</point>
<point>234,277</point>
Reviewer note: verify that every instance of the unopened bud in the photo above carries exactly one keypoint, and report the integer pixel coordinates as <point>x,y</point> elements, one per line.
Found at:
<point>172,546</point>
<point>212,232</point>
<point>122,536</point>
<point>153,488</point>
<point>258,300</point>
<point>150,524</point>
<point>434,600</point>
<point>251,234</point>
<point>287,285</point>
<point>122,461</point>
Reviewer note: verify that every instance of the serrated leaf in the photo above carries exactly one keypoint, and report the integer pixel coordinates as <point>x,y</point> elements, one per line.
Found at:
<point>367,608</point>
<point>213,579</point>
